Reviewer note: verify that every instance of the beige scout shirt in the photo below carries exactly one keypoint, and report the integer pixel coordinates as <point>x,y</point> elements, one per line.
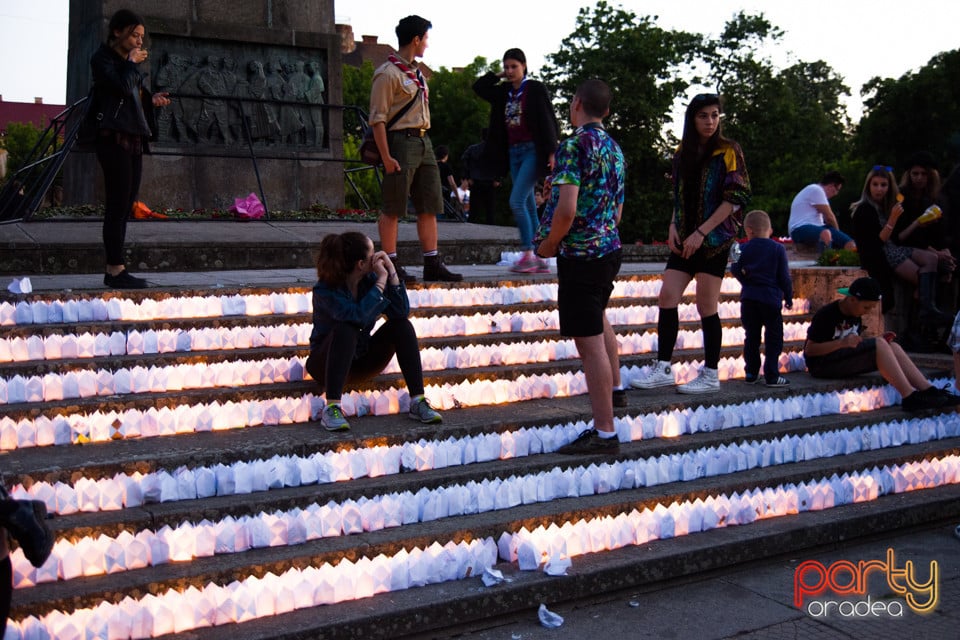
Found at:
<point>391,90</point>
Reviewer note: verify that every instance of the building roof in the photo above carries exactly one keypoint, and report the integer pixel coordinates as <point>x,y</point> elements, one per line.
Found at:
<point>35,112</point>
<point>356,52</point>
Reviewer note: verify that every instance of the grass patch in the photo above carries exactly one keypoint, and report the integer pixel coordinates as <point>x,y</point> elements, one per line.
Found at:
<point>838,258</point>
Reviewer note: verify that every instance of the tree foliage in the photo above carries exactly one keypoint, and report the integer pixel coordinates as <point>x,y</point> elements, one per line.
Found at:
<point>918,111</point>
<point>19,141</point>
<point>641,62</point>
<point>790,123</point>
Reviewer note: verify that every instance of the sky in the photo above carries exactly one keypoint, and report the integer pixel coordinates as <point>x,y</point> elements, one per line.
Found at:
<point>858,39</point>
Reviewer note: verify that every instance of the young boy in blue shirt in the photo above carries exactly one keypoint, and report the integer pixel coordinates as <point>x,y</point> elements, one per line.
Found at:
<point>764,275</point>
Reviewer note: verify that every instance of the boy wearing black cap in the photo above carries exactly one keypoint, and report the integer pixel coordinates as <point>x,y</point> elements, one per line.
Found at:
<point>834,349</point>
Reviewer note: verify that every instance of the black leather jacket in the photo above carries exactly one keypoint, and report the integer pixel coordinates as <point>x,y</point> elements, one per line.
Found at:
<point>119,100</point>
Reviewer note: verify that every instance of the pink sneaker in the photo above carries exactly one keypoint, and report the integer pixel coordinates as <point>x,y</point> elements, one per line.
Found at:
<point>526,265</point>
<point>542,266</point>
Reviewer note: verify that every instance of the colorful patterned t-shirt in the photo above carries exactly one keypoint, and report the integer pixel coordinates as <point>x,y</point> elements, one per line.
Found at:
<point>593,161</point>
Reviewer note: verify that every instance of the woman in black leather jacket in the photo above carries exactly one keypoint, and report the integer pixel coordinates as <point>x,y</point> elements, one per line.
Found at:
<point>122,108</point>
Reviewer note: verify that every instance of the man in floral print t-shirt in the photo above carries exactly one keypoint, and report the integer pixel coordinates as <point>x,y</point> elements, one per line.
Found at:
<point>579,226</point>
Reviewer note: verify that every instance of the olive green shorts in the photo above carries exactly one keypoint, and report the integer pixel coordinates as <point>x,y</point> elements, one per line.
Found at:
<point>418,179</point>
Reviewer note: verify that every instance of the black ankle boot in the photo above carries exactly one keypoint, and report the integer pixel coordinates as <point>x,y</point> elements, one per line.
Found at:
<point>435,271</point>
<point>402,275</point>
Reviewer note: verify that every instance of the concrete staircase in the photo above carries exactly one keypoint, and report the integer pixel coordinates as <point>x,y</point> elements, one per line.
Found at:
<point>313,510</point>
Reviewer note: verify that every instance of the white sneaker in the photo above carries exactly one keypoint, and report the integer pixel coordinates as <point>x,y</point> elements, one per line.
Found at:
<point>659,375</point>
<point>706,382</point>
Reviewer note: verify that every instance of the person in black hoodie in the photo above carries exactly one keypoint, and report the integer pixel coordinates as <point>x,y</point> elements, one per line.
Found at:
<point>522,138</point>
<point>122,109</point>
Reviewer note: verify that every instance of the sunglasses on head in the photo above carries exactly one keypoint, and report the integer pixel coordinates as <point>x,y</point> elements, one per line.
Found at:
<point>704,97</point>
<point>880,167</point>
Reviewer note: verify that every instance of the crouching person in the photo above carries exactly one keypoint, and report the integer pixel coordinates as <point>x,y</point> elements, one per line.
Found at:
<point>834,349</point>
<point>355,287</point>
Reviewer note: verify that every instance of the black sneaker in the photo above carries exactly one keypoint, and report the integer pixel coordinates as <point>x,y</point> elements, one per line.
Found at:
<point>590,442</point>
<point>751,378</point>
<point>950,399</point>
<point>619,398</point>
<point>124,280</point>
<point>926,399</point>
<point>28,526</point>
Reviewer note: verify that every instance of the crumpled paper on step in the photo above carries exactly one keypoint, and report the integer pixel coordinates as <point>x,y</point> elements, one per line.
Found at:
<point>548,618</point>
<point>20,285</point>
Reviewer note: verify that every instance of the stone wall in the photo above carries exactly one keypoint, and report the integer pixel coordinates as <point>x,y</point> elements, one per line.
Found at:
<point>284,52</point>
<point>819,285</point>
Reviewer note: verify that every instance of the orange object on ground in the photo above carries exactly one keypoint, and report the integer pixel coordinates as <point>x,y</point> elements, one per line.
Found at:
<point>142,212</point>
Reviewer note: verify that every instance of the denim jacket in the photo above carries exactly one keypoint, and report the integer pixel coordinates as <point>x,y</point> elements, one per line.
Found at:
<point>335,305</point>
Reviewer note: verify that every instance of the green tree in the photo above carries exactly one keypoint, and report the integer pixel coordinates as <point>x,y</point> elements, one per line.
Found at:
<point>456,113</point>
<point>790,123</point>
<point>361,189</point>
<point>642,64</point>
<point>918,111</point>
<point>20,140</point>
<point>356,94</point>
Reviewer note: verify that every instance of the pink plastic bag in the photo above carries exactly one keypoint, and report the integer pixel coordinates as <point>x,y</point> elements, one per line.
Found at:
<point>249,208</point>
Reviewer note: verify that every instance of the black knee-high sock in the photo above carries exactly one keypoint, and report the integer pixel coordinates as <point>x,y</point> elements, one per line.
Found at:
<point>667,327</point>
<point>712,337</point>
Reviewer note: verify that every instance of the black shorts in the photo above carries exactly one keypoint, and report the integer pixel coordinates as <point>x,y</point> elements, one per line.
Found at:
<point>699,263</point>
<point>844,363</point>
<point>583,292</point>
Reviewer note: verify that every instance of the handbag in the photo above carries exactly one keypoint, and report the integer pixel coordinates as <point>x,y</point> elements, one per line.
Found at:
<point>369,152</point>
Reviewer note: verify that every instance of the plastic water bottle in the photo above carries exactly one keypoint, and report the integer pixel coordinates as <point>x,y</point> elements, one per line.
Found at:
<point>734,252</point>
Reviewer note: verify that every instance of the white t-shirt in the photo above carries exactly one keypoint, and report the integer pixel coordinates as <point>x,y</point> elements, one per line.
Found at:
<point>803,209</point>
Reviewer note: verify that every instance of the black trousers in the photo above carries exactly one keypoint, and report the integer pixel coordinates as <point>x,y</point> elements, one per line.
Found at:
<point>482,201</point>
<point>121,182</point>
<point>755,316</point>
<point>6,589</point>
<point>337,360</point>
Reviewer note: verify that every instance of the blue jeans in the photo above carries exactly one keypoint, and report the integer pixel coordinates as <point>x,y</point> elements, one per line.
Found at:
<point>810,234</point>
<point>523,170</point>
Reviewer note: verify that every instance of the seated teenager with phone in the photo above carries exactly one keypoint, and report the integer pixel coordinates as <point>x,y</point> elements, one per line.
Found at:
<point>835,349</point>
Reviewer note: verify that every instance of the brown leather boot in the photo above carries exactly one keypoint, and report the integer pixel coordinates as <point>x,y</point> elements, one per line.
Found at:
<point>435,271</point>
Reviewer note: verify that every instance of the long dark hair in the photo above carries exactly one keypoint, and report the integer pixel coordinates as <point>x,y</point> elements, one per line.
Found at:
<point>518,55</point>
<point>122,19</point>
<point>692,156</point>
<point>338,254</point>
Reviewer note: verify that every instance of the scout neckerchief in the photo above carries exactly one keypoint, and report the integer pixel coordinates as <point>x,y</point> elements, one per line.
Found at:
<point>512,112</point>
<point>413,74</point>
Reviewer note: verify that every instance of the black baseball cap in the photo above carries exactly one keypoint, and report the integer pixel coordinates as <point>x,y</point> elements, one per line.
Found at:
<point>862,288</point>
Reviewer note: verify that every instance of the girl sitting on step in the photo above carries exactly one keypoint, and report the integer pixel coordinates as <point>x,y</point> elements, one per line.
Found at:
<point>355,287</point>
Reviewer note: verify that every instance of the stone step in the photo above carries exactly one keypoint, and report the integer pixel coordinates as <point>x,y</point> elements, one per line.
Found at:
<point>144,400</point>
<point>436,606</point>
<point>34,367</point>
<point>223,569</point>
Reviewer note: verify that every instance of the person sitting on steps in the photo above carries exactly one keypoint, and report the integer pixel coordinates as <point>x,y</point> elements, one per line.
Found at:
<point>835,349</point>
<point>355,286</point>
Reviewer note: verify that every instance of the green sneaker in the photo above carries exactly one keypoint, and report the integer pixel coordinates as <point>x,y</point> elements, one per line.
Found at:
<point>332,419</point>
<point>422,411</point>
